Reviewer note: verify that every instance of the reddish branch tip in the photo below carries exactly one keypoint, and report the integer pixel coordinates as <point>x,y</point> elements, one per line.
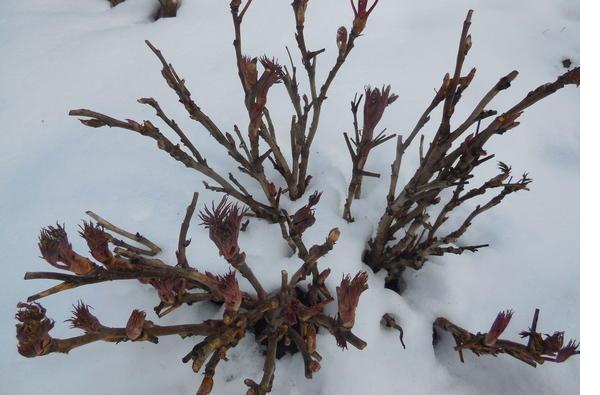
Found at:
<point>498,326</point>
<point>56,250</point>
<point>97,241</point>
<point>342,39</point>
<point>376,102</point>
<point>304,218</point>
<point>32,332</point>
<point>271,75</point>
<point>223,223</point>
<point>229,290</point>
<point>84,319</point>
<point>300,9</point>
<point>568,351</point>
<point>169,288</point>
<point>361,14</point>
<point>553,343</point>
<point>135,324</point>
<point>348,294</point>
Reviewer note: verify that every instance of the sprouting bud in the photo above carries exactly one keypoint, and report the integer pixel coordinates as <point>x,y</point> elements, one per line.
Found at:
<point>57,251</point>
<point>84,319</point>
<point>229,290</point>
<point>223,223</point>
<point>271,75</point>
<point>361,14</point>
<point>568,351</point>
<point>375,104</point>
<point>333,236</point>
<point>135,324</point>
<point>300,10</point>
<point>33,329</point>
<point>342,39</point>
<point>348,294</point>
<point>249,71</point>
<point>498,326</point>
<point>553,343</point>
<point>304,218</point>
<point>97,241</point>
<point>169,288</point>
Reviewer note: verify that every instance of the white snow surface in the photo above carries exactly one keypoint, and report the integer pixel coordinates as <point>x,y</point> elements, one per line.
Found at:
<point>63,54</point>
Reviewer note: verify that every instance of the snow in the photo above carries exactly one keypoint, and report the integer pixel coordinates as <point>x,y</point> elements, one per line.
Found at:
<point>61,54</point>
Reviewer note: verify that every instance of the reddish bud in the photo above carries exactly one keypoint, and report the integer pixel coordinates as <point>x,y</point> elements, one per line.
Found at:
<point>169,288</point>
<point>342,39</point>
<point>361,14</point>
<point>376,102</point>
<point>134,125</point>
<point>300,9</point>
<point>229,290</point>
<point>97,241</point>
<point>304,218</point>
<point>57,251</point>
<point>553,343</point>
<point>498,326</point>
<point>249,71</point>
<point>84,319</point>
<point>348,294</point>
<point>32,332</point>
<point>135,324</point>
<point>568,351</point>
<point>223,223</point>
<point>271,75</point>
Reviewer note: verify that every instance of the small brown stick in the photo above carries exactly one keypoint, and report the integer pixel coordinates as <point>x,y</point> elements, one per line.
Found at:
<point>390,322</point>
<point>183,240</point>
<point>153,249</point>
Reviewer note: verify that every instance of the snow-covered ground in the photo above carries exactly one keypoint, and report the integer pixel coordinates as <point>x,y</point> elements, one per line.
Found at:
<point>63,54</point>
